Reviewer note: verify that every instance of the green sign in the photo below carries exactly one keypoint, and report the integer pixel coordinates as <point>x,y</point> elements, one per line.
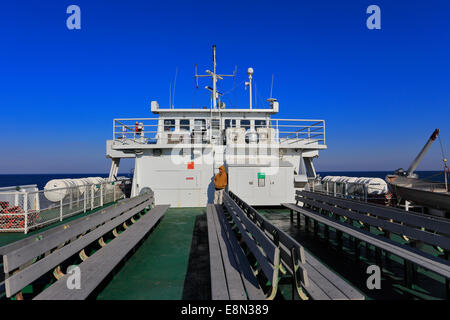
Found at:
<point>261,175</point>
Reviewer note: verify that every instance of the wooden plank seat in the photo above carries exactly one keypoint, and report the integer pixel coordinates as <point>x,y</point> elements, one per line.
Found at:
<point>231,275</point>
<point>429,230</point>
<point>308,274</point>
<point>219,287</point>
<point>261,252</point>
<point>26,264</point>
<point>98,266</point>
<point>47,233</point>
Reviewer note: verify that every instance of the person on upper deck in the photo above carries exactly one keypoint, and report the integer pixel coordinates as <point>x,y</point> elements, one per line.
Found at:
<point>220,182</point>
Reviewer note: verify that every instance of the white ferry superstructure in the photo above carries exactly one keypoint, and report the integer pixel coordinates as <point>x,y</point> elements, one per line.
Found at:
<point>178,153</point>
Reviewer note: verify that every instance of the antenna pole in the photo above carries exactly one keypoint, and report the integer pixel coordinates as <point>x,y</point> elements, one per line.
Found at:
<point>256,96</point>
<point>196,74</point>
<point>271,87</point>
<point>174,85</point>
<point>249,83</point>
<point>214,76</point>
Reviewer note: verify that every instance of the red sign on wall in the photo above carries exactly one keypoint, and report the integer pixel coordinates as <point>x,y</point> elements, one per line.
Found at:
<point>190,165</point>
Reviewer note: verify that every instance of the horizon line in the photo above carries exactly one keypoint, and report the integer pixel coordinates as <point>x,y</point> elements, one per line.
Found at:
<point>130,172</point>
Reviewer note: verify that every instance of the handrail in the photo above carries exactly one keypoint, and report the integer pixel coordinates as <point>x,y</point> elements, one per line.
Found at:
<point>21,211</point>
<point>292,130</point>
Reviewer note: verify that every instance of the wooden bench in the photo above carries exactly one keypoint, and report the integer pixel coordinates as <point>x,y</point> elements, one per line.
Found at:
<point>232,269</point>
<point>308,274</point>
<point>414,227</point>
<point>265,253</point>
<point>97,267</point>
<point>231,275</point>
<point>45,234</point>
<point>23,242</point>
<point>50,250</point>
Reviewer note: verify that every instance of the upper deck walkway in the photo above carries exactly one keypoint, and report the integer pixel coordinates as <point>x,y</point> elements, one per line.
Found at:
<point>200,132</point>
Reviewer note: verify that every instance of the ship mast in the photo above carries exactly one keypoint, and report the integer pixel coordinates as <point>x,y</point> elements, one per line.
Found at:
<point>214,77</point>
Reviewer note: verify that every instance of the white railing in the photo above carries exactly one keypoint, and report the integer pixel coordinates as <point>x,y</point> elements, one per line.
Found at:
<point>125,130</point>
<point>294,130</point>
<point>155,131</point>
<point>21,211</point>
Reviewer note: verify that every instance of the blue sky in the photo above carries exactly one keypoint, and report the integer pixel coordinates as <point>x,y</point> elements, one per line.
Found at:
<point>381,92</point>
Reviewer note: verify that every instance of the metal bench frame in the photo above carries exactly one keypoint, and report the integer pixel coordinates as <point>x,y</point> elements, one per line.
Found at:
<point>266,253</point>
<point>31,258</point>
<point>231,275</point>
<point>98,266</point>
<point>310,275</point>
<point>230,267</point>
<point>431,230</point>
<point>30,239</point>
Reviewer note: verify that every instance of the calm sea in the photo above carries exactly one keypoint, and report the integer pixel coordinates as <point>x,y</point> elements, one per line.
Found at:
<point>7,180</point>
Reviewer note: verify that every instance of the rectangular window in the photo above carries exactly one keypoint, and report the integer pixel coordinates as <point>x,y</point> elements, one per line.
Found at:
<point>215,124</point>
<point>184,125</point>
<point>199,124</point>
<point>260,124</point>
<point>229,123</point>
<point>169,125</point>
<point>245,124</point>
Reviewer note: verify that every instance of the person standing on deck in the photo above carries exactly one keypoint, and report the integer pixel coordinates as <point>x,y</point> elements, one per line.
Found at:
<point>220,182</point>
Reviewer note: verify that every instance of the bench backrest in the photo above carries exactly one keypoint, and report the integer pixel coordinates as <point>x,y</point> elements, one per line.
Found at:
<point>77,238</point>
<point>262,248</point>
<point>428,229</point>
<point>35,237</point>
<point>44,234</point>
<point>22,255</point>
<point>291,252</point>
<point>232,277</point>
<point>98,266</point>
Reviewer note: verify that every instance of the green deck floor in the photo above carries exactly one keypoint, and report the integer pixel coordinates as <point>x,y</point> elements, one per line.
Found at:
<point>158,268</point>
